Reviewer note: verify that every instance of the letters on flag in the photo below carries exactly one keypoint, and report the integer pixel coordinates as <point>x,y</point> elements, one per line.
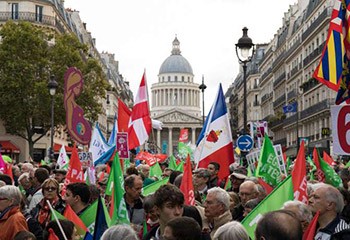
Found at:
<point>215,140</point>
<point>63,159</point>
<point>75,170</point>
<point>186,186</point>
<point>140,124</point>
<point>299,176</point>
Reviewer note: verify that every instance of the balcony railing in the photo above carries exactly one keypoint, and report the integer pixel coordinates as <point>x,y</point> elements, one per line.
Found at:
<point>321,18</point>
<point>279,79</point>
<point>316,108</point>
<point>266,96</point>
<point>256,103</point>
<point>292,94</point>
<point>293,48</point>
<point>265,74</point>
<point>290,119</point>
<point>28,16</point>
<point>314,54</point>
<point>275,123</point>
<point>279,101</point>
<point>278,60</point>
<point>282,141</point>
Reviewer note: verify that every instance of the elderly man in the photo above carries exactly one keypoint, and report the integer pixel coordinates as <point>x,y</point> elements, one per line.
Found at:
<point>247,191</point>
<point>269,227</point>
<point>301,211</point>
<point>200,179</point>
<point>216,210</point>
<point>329,202</point>
<point>145,170</point>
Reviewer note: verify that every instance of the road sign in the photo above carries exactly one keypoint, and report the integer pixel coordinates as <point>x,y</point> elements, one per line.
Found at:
<point>245,143</point>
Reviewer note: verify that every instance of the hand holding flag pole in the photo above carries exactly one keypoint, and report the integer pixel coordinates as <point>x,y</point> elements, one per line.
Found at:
<point>56,219</point>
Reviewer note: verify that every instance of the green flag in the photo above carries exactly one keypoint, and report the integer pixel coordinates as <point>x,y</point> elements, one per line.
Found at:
<point>268,167</point>
<point>228,184</point>
<point>172,163</point>
<point>120,214</point>
<point>180,167</point>
<point>126,164</point>
<point>155,171</point>
<point>151,188</point>
<point>184,150</point>
<point>331,176</point>
<point>274,201</point>
<point>88,217</point>
<point>347,165</point>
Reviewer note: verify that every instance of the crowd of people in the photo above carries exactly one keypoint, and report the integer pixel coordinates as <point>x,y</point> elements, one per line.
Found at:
<point>27,200</point>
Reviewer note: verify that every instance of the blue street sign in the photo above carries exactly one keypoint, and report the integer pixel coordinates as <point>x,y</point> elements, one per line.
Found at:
<point>245,143</point>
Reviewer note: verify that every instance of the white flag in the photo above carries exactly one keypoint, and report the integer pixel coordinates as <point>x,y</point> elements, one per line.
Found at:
<point>63,159</point>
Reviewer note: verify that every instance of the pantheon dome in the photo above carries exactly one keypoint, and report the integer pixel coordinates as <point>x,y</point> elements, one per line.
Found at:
<point>176,101</point>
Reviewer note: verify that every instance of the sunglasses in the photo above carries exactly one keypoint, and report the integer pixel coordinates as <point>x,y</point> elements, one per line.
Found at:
<point>50,189</point>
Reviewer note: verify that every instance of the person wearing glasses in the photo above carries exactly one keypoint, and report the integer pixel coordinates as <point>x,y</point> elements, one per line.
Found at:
<point>41,212</point>
<point>12,220</point>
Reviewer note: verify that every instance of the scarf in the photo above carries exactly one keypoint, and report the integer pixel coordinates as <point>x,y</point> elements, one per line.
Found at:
<point>44,212</point>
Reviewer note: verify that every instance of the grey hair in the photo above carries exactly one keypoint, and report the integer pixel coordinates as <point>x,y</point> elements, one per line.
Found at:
<point>333,195</point>
<point>304,210</point>
<point>29,165</point>
<point>231,231</point>
<point>221,196</point>
<point>119,232</point>
<point>23,175</point>
<point>12,193</point>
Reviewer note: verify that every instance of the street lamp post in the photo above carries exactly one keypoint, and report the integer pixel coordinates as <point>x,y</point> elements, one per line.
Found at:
<point>52,86</point>
<point>244,44</point>
<point>202,87</point>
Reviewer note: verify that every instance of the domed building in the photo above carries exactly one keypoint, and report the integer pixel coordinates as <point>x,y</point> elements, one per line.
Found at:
<point>176,101</point>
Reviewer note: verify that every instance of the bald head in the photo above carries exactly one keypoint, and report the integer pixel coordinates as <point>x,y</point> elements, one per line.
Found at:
<point>247,191</point>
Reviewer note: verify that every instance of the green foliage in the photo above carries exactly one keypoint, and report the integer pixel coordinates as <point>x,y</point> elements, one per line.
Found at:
<point>28,57</point>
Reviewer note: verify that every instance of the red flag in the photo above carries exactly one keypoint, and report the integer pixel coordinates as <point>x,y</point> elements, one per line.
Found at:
<point>266,186</point>
<point>72,216</point>
<point>140,123</point>
<point>123,116</point>
<point>310,231</point>
<point>319,172</point>
<point>160,157</point>
<point>52,235</point>
<point>186,186</point>
<point>183,135</point>
<point>328,159</point>
<point>147,157</point>
<point>299,176</point>
<point>284,157</point>
<point>8,171</point>
<point>75,171</point>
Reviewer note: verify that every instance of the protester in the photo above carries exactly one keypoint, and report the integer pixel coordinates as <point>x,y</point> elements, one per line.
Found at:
<point>133,187</point>
<point>37,177</point>
<point>60,175</point>
<point>250,205</point>
<point>270,226</point>
<point>151,216</point>
<point>182,228</point>
<point>214,181</point>
<point>145,169</point>
<point>329,202</point>
<point>216,210</point>
<point>169,201</point>
<point>78,197</point>
<point>12,220</point>
<point>301,211</point>
<point>231,231</point>
<point>119,232</point>
<point>237,177</point>
<point>200,180</point>
<point>247,191</point>
<point>42,212</point>
<point>52,228</point>
<point>24,235</point>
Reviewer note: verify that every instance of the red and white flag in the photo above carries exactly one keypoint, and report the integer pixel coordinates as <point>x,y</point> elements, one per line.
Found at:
<point>299,176</point>
<point>140,123</point>
<point>186,186</point>
<point>75,171</point>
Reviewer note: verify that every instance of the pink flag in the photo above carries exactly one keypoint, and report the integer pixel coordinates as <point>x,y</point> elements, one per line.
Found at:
<point>140,124</point>
<point>3,166</point>
<point>299,176</point>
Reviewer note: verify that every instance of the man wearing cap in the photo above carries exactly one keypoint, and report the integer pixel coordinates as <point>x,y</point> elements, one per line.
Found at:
<point>200,179</point>
<point>237,177</point>
<point>60,175</point>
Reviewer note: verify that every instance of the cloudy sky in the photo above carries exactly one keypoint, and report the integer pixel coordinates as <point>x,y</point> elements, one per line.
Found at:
<point>140,34</point>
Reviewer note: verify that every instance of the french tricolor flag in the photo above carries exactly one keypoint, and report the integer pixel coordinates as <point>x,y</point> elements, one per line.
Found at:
<point>214,143</point>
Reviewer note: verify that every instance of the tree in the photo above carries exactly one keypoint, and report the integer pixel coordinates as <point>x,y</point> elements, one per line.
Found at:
<point>28,57</point>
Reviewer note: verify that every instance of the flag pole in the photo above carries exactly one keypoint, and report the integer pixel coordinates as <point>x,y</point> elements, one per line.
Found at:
<point>56,219</point>
<point>297,121</point>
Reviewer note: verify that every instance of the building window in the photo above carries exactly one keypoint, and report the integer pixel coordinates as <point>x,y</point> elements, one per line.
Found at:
<point>175,78</point>
<point>39,13</point>
<point>183,78</point>
<point>14,11</point>
<point>169,79</point>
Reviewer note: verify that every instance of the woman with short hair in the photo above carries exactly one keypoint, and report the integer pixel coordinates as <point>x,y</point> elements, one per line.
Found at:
<point>12,220</point>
